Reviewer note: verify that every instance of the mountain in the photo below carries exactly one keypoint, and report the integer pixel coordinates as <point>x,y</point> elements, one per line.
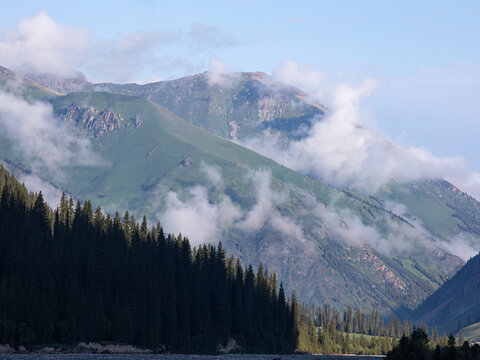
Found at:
<point>456,304</point>
<point>257,105</point>
<point>61,85</point>
<point>328,244</point>
<point>24,86</point>
<point>249,104</point>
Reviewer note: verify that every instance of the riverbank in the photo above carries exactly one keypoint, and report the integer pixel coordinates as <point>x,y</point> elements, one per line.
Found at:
<point>129,352</point>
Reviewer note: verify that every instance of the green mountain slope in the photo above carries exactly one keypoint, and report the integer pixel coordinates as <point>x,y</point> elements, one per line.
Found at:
<point>441,206</point>
<point>457,303</point>
<point>255,102</point>
<point>327,244</point>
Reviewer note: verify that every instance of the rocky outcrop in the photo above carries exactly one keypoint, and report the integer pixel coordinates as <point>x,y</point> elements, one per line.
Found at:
<point>230,347</point>
<point>97,123</point>
<point>378,266</point>
<point>186,162</point>
<point>135,121</point>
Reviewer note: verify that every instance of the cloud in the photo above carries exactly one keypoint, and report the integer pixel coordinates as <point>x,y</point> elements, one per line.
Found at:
<point>203,220</point>
<point>124,56</point>
<point>40,45</point>
<point>397,236</point>
<point>265,211</point>
<point>307,78</point>
<point>197,218</point>
<point>213,173</point>
<point>260,212</point>
<point>462,245</point>
<point>204,37</point>
<point>51,194</point>
<point>345,148</point>
<point>47,145</point>
<point>219,75</point>
<point>350,230</point>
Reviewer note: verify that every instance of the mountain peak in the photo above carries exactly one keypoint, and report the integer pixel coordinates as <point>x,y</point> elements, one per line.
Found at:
<point>234,105</point>
<point>62,85</point>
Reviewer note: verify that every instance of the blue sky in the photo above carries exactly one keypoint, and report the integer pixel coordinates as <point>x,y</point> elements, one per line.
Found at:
<point>424,55</point>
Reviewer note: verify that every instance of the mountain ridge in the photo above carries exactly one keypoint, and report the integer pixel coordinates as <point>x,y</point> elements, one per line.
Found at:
<point>237,105</point>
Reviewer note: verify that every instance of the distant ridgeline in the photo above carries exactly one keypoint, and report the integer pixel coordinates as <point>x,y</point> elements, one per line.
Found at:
<point>74,275</point>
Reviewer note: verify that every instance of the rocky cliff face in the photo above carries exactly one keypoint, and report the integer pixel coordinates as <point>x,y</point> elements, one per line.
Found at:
<point>95,122</point>
<point>252,104</point>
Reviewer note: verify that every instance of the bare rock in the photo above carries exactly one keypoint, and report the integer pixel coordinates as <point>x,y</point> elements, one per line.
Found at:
<point>97,123</point>
<point>186,162</point>
<point>135,121</point>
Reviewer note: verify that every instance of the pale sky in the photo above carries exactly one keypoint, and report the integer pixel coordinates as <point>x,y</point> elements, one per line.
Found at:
<point>424,55</point>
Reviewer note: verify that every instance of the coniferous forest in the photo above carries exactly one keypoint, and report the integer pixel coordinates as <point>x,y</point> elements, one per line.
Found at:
<point>418,346</point>
<point>74,275</point>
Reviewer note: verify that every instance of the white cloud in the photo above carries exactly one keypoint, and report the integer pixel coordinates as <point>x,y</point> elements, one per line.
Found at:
<point>126,55</point>
<point>213,173</point>
<point>41,45</point>
<point>462,245</point>
<point>51,194</point>
<point>398,236</point>
<point>47,145</point>
<point>349,229</point>
<point>197,218</point>
<point>307,78</point>
<point>345,149</point>
<point>219,75</point>
<point>205,221</point>
<point>204,37</point>
<point>264,211</point>
<point>260,212</point>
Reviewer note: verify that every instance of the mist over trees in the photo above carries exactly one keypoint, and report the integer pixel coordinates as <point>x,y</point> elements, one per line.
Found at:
<point>73,274</point>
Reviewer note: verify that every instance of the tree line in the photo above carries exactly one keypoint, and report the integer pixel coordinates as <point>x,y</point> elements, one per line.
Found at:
<point>73,274</point>
<point>418,346</point>
<point>324,330</point>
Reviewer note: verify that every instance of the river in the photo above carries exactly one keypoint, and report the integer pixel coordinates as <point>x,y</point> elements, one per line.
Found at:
<point>179,357</point>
